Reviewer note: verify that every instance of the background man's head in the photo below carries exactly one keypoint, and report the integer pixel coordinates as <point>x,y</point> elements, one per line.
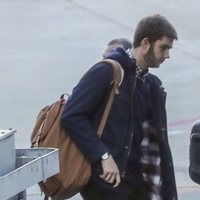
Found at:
<point>113,44</point>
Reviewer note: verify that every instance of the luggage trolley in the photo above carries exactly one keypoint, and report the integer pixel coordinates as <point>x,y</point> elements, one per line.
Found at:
<point>22,168</point>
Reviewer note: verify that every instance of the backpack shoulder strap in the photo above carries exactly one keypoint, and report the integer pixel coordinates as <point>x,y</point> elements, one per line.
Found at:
<point>117,77</point>
<point>118,73</point>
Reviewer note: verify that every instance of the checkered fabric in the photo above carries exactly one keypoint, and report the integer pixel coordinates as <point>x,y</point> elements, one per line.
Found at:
<point>150,161</point>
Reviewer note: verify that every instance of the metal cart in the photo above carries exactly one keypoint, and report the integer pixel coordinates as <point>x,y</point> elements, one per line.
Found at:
<point>22,168</point>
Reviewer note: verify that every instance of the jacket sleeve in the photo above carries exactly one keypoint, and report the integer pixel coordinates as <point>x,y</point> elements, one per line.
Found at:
<point>85,98</point>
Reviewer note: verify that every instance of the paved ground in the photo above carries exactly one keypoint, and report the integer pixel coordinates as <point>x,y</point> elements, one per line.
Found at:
<point>46,46</point>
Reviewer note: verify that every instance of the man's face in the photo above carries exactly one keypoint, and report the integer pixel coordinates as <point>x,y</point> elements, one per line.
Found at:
<point>158,52</point>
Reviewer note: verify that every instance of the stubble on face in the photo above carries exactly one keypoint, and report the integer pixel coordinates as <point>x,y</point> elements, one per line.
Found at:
<point>150,58</point>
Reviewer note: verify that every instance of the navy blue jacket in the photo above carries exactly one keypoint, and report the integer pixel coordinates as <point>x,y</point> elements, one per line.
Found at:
<point>84,109</point>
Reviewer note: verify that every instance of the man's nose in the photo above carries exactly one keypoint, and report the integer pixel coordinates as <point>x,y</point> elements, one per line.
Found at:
<point>166,55</point>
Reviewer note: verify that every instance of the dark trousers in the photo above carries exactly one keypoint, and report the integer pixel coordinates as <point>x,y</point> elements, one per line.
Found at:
<point>129,189</point>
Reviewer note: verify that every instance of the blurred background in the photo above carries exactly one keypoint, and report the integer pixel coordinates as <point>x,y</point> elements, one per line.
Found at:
<point>47,45</point>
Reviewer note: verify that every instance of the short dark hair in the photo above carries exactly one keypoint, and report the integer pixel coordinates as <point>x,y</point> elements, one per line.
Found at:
<point>153,27</point>
<point>125,43</point>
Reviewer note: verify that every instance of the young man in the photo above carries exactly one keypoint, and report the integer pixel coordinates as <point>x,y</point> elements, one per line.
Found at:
<point>119,170</point>
<point>113,44</point>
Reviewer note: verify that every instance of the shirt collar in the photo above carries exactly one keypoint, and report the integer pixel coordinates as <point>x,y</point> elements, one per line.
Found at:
<point>141,74</point>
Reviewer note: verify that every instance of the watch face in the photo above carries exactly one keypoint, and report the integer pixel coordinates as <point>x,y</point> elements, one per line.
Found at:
<point>105,156</point>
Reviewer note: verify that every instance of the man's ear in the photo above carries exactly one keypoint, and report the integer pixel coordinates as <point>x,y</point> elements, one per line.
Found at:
<point>145,44</point>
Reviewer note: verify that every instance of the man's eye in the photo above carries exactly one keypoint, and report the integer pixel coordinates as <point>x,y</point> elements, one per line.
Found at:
<point>163,48</point>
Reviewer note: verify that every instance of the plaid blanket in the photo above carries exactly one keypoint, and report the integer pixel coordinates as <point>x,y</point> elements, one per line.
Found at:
<point>150,161</point>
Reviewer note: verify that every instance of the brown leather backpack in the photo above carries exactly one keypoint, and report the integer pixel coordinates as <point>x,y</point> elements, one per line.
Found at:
<point>75,169</point>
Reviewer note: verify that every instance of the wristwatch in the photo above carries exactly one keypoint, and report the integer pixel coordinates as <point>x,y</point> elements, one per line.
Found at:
<point>105,156</point>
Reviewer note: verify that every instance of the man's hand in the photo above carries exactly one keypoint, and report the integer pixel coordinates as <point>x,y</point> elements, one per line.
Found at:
<point>110,171</point>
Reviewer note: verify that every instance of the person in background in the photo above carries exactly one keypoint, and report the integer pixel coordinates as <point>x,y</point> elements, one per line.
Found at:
<point>113,44</point>
<point>132,160</point>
